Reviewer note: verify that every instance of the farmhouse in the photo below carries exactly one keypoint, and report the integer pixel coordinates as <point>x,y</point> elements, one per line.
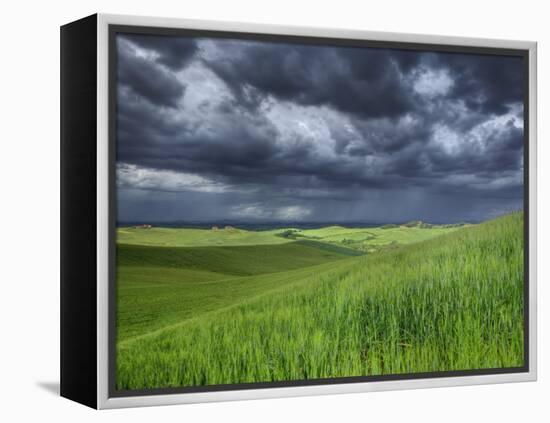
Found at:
<point>144,226</point>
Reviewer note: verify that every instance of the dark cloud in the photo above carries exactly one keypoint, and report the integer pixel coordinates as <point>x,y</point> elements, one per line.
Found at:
<point>353,80</point>
<point>172,52</point>
<point>147,79</point>
<point>487,83</point>
<point>267,130</point>
<point>501,152</point>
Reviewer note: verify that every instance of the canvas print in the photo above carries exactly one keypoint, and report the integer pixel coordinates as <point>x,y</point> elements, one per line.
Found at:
<point>296,211</point>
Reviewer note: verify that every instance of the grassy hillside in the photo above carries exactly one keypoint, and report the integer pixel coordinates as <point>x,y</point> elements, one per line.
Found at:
<point>236,260</point>
<point>449,303</point>
<point>189,237</point>
<point>149,300</point>
<point>157,286</point>
<point>374,239</point>
<point>359,239</point>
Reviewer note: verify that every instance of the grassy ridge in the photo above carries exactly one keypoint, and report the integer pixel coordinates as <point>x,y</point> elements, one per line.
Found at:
<point>146,307</point>
<point>450,303</point>
<point>329,247</point>
<point>361,239</point>
<point>237,260</point>
<point>190,237</point>
<point>373,239</point>
<point>159,286</point>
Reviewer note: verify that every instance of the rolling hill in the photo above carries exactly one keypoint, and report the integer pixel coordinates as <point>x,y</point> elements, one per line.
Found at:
<point>448,303</point>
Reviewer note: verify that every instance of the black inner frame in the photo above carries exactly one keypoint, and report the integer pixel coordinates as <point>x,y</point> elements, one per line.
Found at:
<point>113,30</point>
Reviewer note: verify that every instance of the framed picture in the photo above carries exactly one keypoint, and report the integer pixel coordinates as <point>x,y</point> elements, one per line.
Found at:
<point>253,211</point>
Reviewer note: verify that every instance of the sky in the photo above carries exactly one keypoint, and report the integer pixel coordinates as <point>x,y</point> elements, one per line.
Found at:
<point>217,130</point>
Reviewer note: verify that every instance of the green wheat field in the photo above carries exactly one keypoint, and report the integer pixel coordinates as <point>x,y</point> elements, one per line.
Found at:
<point>226,305</point>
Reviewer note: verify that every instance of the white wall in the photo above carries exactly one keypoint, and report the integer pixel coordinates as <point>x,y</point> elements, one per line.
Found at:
<point>29,178</point>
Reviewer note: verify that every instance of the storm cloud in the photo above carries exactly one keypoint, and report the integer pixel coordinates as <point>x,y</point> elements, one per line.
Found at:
<point>212,129</point>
